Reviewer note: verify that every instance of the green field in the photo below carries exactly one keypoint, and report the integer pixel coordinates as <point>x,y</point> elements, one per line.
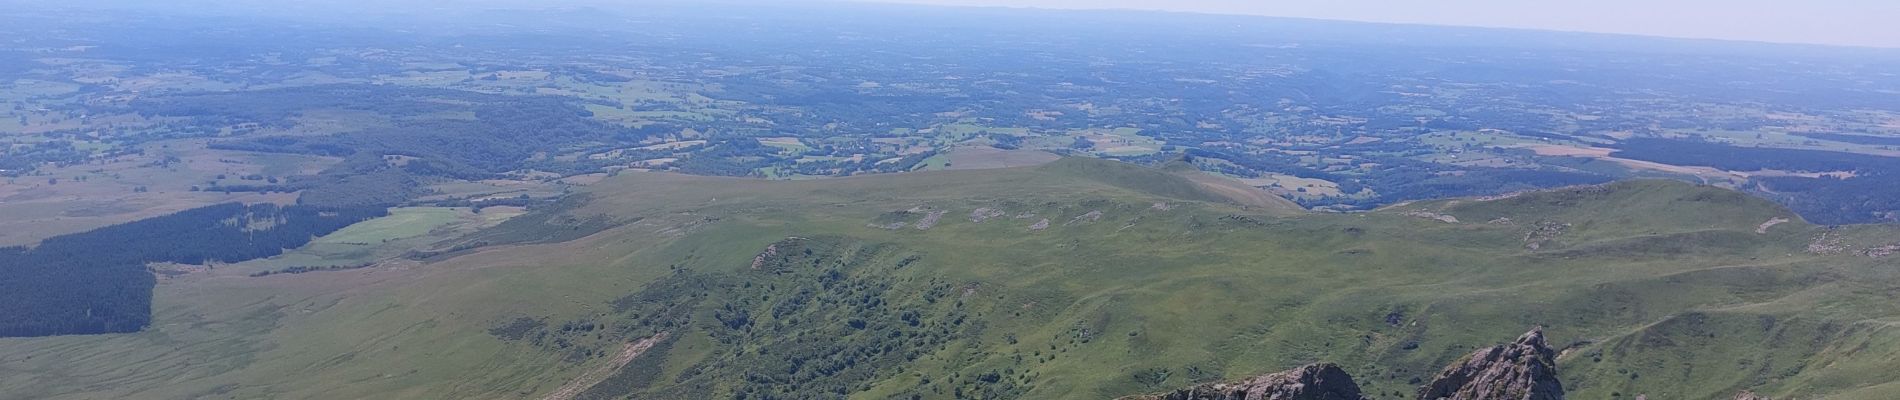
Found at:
<point>381,240</point>
<point>1141,281</point>
<point>965,130</point>
<point>402,223</point>
<point>934,163</point>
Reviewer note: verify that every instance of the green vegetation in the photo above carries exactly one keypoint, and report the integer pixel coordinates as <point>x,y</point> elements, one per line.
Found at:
<point>506,272</point>
<point>408,233</point>
<point>402,223</point>
<point>1141,280</point>
<point>97,281</point>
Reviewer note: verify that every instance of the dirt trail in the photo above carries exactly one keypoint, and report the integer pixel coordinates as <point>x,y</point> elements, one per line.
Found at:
<point>1763,228</point>
<point>590,378</point>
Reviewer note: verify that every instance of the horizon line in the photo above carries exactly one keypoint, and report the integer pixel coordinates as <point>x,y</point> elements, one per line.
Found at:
<point>1376,22</point>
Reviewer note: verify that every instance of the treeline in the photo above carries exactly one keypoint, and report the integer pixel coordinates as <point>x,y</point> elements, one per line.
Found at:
<point>362,180</point>
<point>309,268</point>
<point>1855,139</point>
<point>1870,194</point>
<point>1397,178</point>
<point>1734,158</point>
<point>1401,184</point>
<point>1866,198</point>
<point>819,317</point>
<point>735,157</point>
<point>96,281</point>
<point>278,107</point>
<point>389,165</point>
<point>507,133</point>
<point>24,159</point>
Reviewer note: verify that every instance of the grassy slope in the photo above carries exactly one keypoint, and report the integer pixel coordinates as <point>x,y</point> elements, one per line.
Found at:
<point>1663,288</point>
<point>401,223</point>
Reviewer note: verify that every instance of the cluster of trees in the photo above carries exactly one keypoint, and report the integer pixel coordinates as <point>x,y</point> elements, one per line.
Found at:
<point>1192,86</point>
<point>477,205</point>
<point>21,159</point>
<point>279,107</point>
<point>819,318</point>
<point>1855,139</point>
<point>1870,197</point>
<point>732,157</point>
<point>1735,158</point>
<point>361,180</point>
<point>359,183</point>
<point>97,282</point>
<point>506,133</point>
<point>1398,178</point>
<point>1870,194</point>
<point>309,268</point>
<point>1005,142</point>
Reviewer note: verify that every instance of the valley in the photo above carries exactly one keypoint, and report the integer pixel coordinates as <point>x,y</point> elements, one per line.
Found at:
<point>779,200</point>
<point>1144,281</point>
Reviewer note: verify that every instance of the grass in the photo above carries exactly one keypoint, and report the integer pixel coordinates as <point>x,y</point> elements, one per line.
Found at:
<point>382,239</point>
<point>1445,141</point>
<point>786,145</point>
<point>24,89</point>
<point>1117,141</point>
<point>670,115</point>
<point>935,163</point>
<point>770,173</point>
<point>491,189</point>
<point>965,130</point>
<point>1656,287</point>
<point>35,210</point>
<point>402,223</point>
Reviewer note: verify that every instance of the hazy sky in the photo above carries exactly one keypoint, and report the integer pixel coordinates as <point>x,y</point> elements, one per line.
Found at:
<point>1840,22</point>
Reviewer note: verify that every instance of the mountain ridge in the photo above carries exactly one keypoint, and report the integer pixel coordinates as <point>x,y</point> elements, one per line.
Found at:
<point>1121,291</point>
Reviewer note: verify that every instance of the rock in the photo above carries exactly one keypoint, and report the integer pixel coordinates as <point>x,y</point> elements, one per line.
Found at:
<point>1433,216</point>
<point>1523,370</point>
<point>1750,395</point>
<point>1882,251</point>
<point>1544,232</point>
<point>984,214</point>
<point>1827,243</point>
<point>770,252</point>
<point>930,220</point>
<point>1312,382</point>
<point>1091,216</point>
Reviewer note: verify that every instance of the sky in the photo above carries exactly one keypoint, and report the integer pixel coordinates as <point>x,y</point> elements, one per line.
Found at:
<point>1874,23</point>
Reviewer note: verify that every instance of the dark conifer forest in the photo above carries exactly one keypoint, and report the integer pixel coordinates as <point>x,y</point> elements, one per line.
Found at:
<point>97,281</point>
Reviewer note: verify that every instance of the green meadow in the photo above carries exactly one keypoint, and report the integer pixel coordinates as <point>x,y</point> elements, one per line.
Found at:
<point>948,284</point>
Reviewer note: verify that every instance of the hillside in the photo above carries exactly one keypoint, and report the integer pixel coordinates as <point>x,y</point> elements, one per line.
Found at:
<point>1078,279</point>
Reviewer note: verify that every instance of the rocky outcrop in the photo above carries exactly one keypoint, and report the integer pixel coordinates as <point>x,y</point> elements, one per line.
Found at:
<point>1312,382</point>
<point>1748,395</point>
<point>1523,370</point>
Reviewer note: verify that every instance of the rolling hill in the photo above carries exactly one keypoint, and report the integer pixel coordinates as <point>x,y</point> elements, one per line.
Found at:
<point>1078,279</point>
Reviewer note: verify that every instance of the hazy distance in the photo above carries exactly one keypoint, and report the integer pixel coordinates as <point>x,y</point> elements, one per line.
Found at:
<point>1833,22</point>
